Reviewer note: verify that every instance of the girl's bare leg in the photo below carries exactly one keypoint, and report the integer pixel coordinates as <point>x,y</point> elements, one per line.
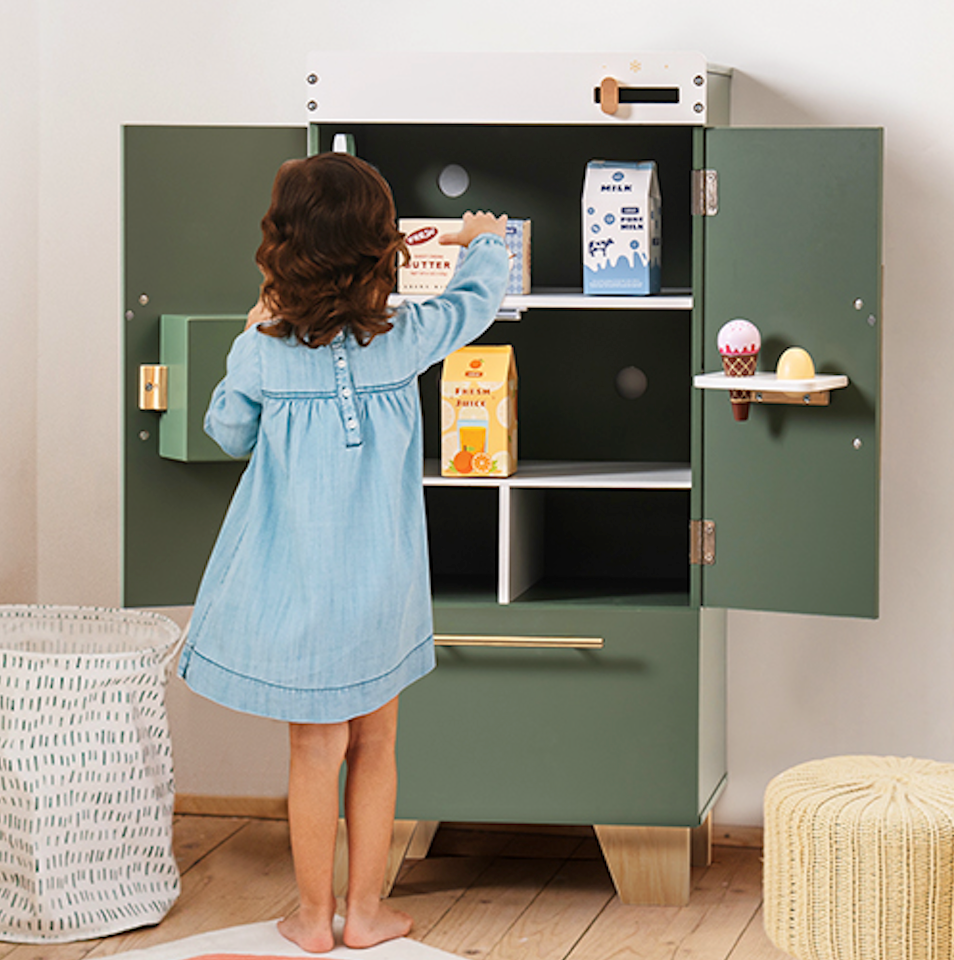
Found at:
<point>317,752</point>
<point>370,794</point>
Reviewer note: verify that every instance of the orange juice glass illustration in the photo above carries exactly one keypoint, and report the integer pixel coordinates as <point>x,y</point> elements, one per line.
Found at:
<point>473,435</point>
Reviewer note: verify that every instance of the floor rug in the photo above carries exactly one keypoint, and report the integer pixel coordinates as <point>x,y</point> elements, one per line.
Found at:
<point>262,941</point>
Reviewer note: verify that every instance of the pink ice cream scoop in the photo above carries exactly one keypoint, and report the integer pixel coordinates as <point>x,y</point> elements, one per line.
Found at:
<point>739,343</point>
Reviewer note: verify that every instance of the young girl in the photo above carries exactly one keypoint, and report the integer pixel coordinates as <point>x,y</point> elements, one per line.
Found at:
<point>315,606</point>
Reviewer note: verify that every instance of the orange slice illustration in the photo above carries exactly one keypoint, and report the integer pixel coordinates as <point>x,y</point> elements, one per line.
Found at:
<point>482,463</point>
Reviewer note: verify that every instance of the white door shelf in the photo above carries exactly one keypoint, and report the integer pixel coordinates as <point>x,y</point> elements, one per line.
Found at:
<point>572,299</point>
<point>767,388</point>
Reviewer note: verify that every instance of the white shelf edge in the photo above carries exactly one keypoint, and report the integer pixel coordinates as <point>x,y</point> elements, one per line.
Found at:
<point>579,475</point>
<point>770,383</point>
<point>513,305</point>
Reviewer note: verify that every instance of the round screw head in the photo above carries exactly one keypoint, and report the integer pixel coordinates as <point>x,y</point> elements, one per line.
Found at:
<point>144,298</point>
<point>143,434</point>
<point>857,444</point>
<point>859,304</point>
<point>130,315</point>
<point>312,105</point>
<point>312,77</point>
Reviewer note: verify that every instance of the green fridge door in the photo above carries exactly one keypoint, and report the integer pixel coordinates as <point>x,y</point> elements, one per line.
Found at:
<point>193,198</point>
<point>795,248</point>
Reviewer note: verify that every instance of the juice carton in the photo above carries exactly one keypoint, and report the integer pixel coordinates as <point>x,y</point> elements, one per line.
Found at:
<point>622,228</point>
<point>479,413</point>
<point>433,264</point>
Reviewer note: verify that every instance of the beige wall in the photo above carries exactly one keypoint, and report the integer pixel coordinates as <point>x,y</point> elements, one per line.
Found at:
<point>19,133</point>
<point>798,687</point>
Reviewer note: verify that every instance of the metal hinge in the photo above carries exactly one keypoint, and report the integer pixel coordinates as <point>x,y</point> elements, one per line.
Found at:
<point>702,549</point>
<point>705,193</point>
<point>153,387</point>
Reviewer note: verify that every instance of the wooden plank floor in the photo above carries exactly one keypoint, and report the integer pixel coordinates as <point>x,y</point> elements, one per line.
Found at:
<point>490,894</point>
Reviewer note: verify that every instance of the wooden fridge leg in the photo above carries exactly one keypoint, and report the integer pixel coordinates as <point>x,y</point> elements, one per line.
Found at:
<point>410,838</point>
<point>421,839</point>
<point>649,865</point>
<point>702,843</point>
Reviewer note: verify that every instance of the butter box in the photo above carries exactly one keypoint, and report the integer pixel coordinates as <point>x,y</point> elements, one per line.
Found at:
<point>479,412</point>
<point>433,264</point>
<point>622,228</point>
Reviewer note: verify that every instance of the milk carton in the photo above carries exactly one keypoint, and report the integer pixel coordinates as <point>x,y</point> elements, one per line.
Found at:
<point>433,264</point>
<point>479,413</point>
<point>622,228</point>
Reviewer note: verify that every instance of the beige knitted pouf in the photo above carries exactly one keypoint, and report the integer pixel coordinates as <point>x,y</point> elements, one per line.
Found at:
<point>859,859</point>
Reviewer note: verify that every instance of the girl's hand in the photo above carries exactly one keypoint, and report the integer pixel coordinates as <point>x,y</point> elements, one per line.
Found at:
<point>474,225</point>
<point>258,314</point>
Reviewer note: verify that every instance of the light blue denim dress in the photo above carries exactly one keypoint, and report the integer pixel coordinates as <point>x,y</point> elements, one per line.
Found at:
<point>315,606</point>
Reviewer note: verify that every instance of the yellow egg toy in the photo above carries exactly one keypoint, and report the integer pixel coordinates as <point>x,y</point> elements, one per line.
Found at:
<point>795,364</point>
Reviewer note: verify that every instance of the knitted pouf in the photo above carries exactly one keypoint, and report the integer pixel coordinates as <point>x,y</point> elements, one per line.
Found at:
<point>859,859</point>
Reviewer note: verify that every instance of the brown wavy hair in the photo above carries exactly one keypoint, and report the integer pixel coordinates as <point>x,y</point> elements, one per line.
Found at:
<point>329,250</point>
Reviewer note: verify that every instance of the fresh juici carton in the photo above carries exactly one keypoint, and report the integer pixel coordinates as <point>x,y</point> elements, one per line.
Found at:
<point>433,264</point>
<point>622,228</point>
<point>479,412</point>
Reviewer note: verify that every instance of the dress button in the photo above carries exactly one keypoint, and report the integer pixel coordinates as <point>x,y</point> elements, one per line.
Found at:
<point>346,392</point>
<point>341,361</point>
<point>352,424</point>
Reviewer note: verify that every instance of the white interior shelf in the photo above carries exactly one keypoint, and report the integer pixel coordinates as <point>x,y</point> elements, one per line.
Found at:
<point>572,299</point>
<point>520,505</point>
<point>770,383</point>
<point>610,475</point>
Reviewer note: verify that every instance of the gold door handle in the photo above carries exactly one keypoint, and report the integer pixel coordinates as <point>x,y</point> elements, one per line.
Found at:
<point>520,643</point>
<point>153,387</point>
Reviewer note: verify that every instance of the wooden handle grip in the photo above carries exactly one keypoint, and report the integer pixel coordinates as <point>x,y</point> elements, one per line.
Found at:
<point>520,643</point>
<point>609,95</point>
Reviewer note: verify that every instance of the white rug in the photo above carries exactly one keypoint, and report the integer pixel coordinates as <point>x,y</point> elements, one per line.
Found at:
<point>262,940</point>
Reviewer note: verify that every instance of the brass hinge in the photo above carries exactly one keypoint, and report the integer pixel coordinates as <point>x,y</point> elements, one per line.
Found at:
<point>702,549</point>
<point>153,387</point>
<point>705,193</point>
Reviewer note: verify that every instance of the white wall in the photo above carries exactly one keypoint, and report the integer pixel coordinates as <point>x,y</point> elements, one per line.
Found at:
<point>799,687</point>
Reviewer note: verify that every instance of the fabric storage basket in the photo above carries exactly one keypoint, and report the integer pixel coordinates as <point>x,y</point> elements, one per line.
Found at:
<point>86,788</point>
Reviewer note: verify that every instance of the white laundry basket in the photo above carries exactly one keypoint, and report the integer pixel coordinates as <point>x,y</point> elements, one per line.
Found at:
<point>86,788</point>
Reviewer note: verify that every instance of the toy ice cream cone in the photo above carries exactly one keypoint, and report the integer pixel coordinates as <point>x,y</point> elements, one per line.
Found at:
<point>739,343</point>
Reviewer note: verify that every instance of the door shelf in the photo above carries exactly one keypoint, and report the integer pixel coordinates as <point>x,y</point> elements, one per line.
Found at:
<point>559,298</point>
<point>767,388</point>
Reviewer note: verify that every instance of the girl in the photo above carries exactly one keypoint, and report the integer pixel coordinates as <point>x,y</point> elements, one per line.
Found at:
<point>315,605</point>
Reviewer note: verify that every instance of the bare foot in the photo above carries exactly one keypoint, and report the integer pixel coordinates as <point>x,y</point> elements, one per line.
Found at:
<point>382,923</point>
<point>310,932</point>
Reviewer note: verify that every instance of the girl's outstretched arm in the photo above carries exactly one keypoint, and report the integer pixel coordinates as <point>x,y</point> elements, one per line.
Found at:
<point>467,306</point>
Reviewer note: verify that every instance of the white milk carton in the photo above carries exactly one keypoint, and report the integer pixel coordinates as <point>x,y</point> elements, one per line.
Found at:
<point>622,228</point>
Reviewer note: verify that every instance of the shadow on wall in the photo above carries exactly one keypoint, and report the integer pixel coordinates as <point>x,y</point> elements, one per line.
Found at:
<point>758,104</point>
